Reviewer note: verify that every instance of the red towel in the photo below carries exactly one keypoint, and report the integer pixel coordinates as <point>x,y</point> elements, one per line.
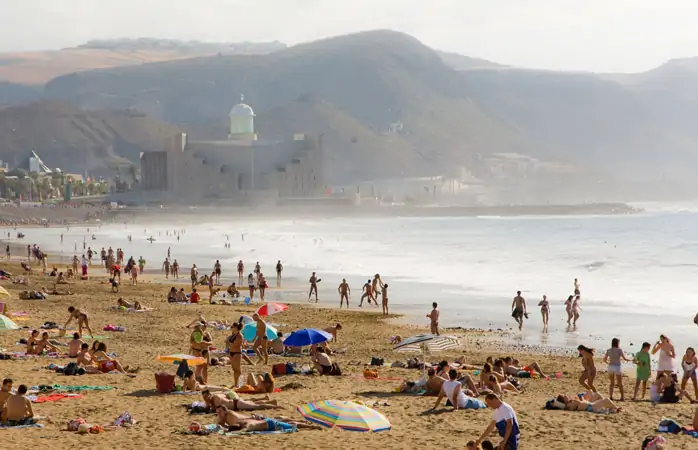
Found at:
<point>55,397</point>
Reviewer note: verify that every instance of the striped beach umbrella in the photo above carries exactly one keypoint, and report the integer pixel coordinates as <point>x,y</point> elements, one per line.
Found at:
<point>428,343</point>
<point>7,324</point>
<point>346,415</point>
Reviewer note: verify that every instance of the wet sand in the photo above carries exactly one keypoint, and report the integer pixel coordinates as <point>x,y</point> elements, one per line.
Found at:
<point>365,334</point>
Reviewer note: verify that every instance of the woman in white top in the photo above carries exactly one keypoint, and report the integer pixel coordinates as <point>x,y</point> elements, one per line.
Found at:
<point>667,354</point>
<point>689,363</point>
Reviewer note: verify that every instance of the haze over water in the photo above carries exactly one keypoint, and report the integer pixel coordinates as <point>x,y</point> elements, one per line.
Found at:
<point>637,272</point>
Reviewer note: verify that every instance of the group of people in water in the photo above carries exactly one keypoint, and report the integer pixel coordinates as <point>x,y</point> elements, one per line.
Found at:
<point>572,308</point>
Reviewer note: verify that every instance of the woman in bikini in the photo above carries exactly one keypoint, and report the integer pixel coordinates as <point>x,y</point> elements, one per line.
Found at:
<point>591,402</point>
<point>589,373</point>
<point>689,362</point>
<point>258,384</point>
<point>250,285</point>
<point>81,316</point>
<point>32,341</point>
<point>568,309</point>
<point>106,362</point>
<point>233,402</point>
<point>235,349</point>
<point>262,285</point>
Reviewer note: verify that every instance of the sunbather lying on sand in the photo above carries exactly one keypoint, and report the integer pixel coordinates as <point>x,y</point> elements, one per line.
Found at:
<point>135,305</point>
<point>258,384</point>
<point>511,369</point>
<point>591,401</point>
<point>499,387</point>
<point>191,384</point>
<point>235,422</point>
<point>232,401</point>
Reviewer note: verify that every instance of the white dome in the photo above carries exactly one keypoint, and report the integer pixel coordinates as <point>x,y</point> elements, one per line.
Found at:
<point>242,109</point>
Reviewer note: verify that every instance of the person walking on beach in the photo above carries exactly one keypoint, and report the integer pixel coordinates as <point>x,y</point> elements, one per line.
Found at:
<point>90,253</point>
<point>589,373</point>
<point>576,309</point>
<point>250,285</point>
<point>344,292</point>
<point>166,267</point>
<point>615,373</point>
<point>384,298</point>
<point>568,309</point>
<point>434,316</point>
<point>260,341</point>
<point>241,271</point>
<point>518,309</point>
<point>576,287</point>
<point>279,269</point>
<point>175,270</point>
<point>193,275</point>
<point>7,251</point>
<point>141,264</point>
<point>545,311</point>
<point>217,271</point>
<point>366,293</point>
<point>261,285</point>
<point>314,280</point>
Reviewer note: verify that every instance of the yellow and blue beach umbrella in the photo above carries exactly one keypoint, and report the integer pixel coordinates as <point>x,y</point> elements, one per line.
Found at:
<point>346,415</point>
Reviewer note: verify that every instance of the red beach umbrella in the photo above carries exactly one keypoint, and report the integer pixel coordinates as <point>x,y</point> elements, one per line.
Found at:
<point>271,308</point>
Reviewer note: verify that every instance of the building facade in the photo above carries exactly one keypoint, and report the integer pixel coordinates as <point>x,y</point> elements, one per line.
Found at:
<point>241,167</point>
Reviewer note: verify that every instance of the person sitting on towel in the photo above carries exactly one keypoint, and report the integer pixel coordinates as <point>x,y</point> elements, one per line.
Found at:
<point>18,409</point>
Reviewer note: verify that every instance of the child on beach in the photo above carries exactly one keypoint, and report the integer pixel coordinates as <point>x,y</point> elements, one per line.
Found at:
<point>643,370</point>
<point>589,373</point>
<point>689,363</point>
<point>615,373</point>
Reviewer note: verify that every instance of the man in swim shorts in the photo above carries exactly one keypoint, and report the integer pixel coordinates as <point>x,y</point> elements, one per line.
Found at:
<point>518,307</point>
<point>18,409</point>
<point>235,421</point>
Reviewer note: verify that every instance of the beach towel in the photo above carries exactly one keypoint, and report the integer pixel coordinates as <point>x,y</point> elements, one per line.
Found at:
<point>58,387</point>
<point>16,427</point>
<point>247,389</point>
<point>218,430</point>
<point>52,397</point>
<point>121,308</point>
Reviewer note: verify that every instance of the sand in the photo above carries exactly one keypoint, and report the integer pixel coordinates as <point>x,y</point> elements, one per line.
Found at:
<point>365,334</point>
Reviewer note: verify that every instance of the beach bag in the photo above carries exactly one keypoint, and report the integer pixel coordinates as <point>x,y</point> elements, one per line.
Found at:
<point>669,426</point>
<point>164,382</point>
<point>291,369</point>
<point>377,361</point>
<point>652,442</point>
<point>71,369</point>
<point>278,369</point>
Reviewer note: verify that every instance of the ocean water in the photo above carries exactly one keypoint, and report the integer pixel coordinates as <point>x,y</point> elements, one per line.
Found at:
<point>638,273</point>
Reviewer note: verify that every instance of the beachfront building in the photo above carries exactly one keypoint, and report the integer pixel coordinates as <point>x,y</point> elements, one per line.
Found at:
<point>242,167</point>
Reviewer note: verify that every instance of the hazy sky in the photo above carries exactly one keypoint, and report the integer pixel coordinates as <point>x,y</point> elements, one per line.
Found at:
<point>596,35</point>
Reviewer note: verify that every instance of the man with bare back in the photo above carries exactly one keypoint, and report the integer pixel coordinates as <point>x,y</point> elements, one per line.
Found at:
<point>366,293</point>
<point>518,307</point>
<point>377,282</point>
<point>314,280</point>
<point>344,291</point>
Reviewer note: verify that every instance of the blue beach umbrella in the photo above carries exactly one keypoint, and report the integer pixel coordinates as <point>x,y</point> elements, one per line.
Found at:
<point>307,336</point>
<point>249,332</point>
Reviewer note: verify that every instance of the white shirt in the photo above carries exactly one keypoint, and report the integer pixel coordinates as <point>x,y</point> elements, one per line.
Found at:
<point>504,413</point>
<point>449,388</point>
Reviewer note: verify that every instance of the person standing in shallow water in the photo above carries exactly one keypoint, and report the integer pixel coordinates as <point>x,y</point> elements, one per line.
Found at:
<point>545,311</point>
<point>279,269</point>
<point>344,291</point>
<point>518,309</point>
<point>314,280</point>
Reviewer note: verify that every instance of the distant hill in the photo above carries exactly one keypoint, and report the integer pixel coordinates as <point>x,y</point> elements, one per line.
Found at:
<point>391,106</point>
<point>74,140</point>
<point>37,68</point>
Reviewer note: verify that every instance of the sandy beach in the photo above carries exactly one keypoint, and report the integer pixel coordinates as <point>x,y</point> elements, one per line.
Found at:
<point>365,334</point>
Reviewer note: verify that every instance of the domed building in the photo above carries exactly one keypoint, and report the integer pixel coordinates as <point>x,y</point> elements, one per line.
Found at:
<point>241,168</point>
<point>242,122</point>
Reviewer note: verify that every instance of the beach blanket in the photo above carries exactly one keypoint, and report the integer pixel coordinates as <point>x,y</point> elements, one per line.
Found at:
<point>52,397</point>
<point>58,387</point>
<point>16,427</point>
<point>218,430</point>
